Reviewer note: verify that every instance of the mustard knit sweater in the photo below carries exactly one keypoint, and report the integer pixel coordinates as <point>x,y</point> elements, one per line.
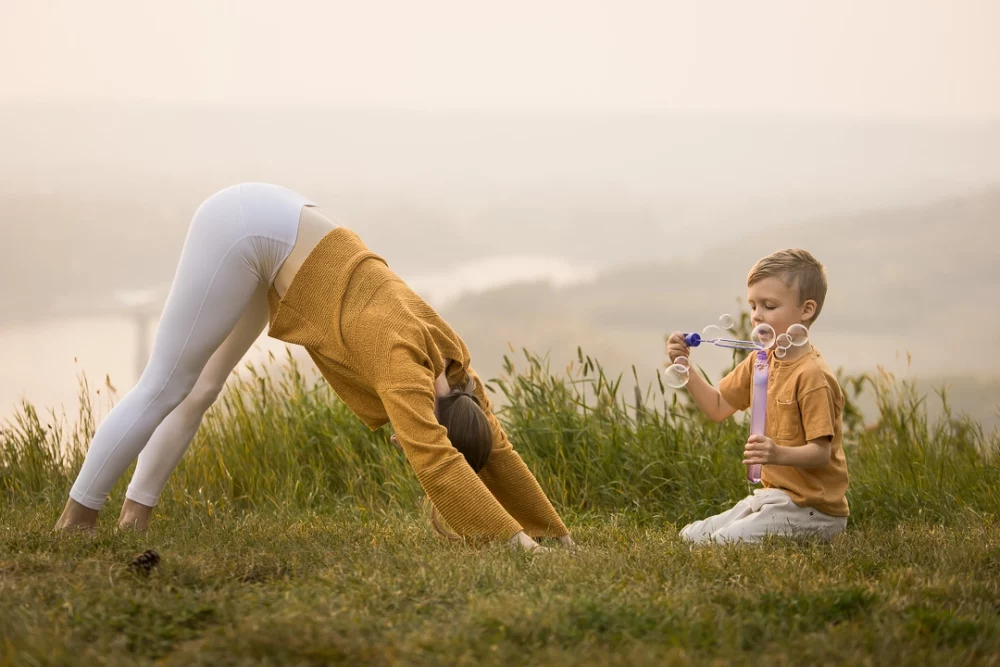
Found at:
<point>380,346</point>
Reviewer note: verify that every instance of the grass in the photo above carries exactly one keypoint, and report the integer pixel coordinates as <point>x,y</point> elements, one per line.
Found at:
<point>308,588</point>
<point>292,535</point>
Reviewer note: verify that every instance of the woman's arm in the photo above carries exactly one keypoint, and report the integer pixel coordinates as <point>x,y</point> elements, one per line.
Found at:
<point>408,396</point>
<point>512,483</point>
<point>457,492</point>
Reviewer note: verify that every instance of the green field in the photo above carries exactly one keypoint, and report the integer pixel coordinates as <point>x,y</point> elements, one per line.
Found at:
<point>292,535</point>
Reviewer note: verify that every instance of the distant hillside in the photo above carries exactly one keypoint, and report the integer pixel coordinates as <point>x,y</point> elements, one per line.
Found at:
<point>95,197</point>
<point>70,252</point>
<point>898,271</point>
<point>923,281</point>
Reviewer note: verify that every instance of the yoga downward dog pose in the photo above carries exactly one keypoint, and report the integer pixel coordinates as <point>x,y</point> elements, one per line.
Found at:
<point>256,255</point>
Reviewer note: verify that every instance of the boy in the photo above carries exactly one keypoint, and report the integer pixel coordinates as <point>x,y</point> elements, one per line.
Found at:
<point>804,472</point>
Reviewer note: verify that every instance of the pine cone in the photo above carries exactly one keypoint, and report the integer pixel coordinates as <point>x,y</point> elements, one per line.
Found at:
<point>143,563</point>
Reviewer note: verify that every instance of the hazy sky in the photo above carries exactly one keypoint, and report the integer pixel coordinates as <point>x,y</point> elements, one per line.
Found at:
<point>894,58</point>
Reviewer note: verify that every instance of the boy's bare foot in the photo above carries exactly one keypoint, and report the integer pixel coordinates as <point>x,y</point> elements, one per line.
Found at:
<point>76,517</point>
<point>134,516</point>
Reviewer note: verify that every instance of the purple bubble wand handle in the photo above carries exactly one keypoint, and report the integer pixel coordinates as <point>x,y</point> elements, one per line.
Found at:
<point>758,408</point>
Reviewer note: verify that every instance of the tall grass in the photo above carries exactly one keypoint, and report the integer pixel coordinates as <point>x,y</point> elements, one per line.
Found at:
<point>319,563</point>
<point>281,439</point>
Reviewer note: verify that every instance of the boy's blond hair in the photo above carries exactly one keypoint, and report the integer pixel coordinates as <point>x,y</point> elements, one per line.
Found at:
<point>796,267</point>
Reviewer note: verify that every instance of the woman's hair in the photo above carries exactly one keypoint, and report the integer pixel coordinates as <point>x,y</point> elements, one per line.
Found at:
<point>461,413</point>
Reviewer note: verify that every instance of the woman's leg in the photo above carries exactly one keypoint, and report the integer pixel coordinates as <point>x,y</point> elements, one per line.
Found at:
<point>173,436</point>
<point>214,284</point>
<point>282,233</point>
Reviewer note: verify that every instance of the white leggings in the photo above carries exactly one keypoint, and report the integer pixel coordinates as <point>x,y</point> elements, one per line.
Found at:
<point>216,309</point>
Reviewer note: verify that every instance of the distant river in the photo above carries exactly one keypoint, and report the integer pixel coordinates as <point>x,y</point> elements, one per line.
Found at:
<point>43,360</point>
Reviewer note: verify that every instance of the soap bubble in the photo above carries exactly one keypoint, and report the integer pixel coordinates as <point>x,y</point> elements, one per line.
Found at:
<point>711,332</point>
<point>763,335</point>
<point>781,352</point>
<point>783,341</point>
<point>683,361</point>
<point>676,375</point>
<point>798,334</point>
<point>726,321</point>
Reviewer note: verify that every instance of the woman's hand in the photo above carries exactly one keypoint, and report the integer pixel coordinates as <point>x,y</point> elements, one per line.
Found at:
<point>566,542</point>
<point>522,541</point>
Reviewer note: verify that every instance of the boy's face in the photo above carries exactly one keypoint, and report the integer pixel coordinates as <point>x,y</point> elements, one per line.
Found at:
<point>773,302</point>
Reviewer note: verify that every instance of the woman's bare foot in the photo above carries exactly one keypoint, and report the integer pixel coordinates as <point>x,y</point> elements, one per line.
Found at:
<point>134,516</point>
<point>76,517</point>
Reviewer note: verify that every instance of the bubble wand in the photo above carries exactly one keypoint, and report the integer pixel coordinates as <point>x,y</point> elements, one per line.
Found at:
<point>762,338</point>
<point>758,408</point>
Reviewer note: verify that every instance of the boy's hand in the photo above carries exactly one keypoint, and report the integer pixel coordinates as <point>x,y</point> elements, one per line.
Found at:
<point>676,347</point>
<point>760,449</point>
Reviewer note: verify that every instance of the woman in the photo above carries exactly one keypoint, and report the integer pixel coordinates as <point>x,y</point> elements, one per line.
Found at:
<point>257,254</point>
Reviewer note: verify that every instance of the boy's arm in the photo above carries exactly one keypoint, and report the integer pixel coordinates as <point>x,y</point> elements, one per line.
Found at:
<point>708,398</point>
<point>819,415</point>
<point>813,454</point>
<point>733,393</point>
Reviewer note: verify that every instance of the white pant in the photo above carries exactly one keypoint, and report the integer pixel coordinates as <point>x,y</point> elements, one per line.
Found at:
<point>765,512</point>
<point>216,309</point>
